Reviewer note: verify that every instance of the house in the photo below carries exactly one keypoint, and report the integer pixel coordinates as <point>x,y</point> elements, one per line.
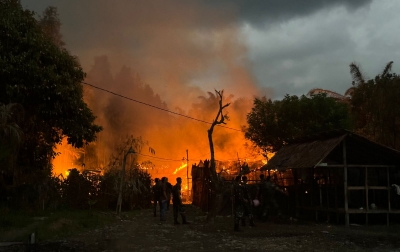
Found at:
<point>339,173</point>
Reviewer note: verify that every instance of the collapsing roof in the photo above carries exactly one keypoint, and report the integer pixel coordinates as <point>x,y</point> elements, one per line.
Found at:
<point>327,149</point>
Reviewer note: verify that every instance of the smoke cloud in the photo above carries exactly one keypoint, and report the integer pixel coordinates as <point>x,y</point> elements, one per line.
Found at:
<point>169,54</point>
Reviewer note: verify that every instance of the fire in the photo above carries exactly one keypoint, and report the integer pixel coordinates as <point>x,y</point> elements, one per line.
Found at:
<point>183,166</point>
<point>66,159</point>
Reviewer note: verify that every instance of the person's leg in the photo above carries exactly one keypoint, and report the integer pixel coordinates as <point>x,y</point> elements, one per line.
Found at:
<point>182,211</point>
<point>251,220</point>
<point>163,210</point>
<point>155,208</point>
<point>246,212</point>
<point>168,203</point>
<point>175,209</point>
<point>237,217</point>
<point>251,216</point>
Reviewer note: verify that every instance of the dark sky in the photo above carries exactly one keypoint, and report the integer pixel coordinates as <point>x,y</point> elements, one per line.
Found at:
<point>270,47</point>
<point>184,48</point>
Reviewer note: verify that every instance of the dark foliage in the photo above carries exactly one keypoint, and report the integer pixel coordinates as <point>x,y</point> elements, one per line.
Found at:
<point>272,123</point>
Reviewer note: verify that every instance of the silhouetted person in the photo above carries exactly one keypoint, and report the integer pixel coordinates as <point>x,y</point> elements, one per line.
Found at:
<point>177,202</point>
<point>156,196</point>
<point>169,191</point>
<point>270,201</point>
<point>237,202</point>
<point>247,203</point>
<point>261,196</point>
<point>163,198</point>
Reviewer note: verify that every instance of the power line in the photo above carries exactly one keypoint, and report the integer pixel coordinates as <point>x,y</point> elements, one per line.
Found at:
<point>146,104</point>
<point>193,159</point>
<point>167,159</point>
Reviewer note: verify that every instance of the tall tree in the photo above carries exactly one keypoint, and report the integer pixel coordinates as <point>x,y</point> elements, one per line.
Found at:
<point>46,80</point>
<point>10,117</point>
<point>51,25</point>
<point>375,105</point>
<point>272,123</point>
<point>216,182</point>
<point>11,135</point>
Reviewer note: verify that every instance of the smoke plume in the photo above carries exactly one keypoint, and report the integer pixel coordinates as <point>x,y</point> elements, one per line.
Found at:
<point>170,54</point>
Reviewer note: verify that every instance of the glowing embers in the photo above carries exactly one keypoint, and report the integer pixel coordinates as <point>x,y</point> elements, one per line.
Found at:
<point>144,167</point>
<point>183,166</point>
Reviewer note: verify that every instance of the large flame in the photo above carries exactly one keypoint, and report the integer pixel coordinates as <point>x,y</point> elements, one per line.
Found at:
<point>183,166</point>
<point>67,158</point>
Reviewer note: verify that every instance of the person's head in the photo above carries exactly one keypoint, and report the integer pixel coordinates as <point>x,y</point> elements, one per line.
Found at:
<point>156,180</point>
<point>179,180</point>
<point>163,179</point>
<point>262,176</point>
<point>237,179</point>
<point>166,180</point>
<point>244,178</point>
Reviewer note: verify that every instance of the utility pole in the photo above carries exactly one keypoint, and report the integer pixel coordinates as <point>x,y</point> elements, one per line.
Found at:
<point>240,168</point>
<point>119,202</point>
<point>187,171</point>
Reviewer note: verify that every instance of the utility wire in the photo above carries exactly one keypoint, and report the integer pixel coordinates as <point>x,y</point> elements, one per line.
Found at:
<point>193,159</point>
<point>167,159</point>
<point>165,110</point>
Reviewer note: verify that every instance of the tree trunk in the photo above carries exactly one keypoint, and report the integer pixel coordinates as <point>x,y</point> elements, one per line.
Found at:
<point>216,182</point>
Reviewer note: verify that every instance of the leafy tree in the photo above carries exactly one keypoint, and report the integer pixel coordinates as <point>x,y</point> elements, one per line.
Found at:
<point>51,24</point>
<point>272,123</point>
<point>10,132</point>
<point>75,190</point>
<point>375,105</point>
<point>136,181</point>
<point>45,79</point>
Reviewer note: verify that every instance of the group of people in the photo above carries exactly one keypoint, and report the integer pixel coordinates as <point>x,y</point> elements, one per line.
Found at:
<point>243,204</point>
<point>162,193</point>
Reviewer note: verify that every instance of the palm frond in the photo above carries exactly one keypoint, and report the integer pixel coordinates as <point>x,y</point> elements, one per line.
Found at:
<point>356,74</point>
<point>387,69</point>
<point>10,115</point>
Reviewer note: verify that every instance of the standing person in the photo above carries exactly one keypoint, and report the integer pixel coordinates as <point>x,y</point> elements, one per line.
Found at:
<point>271,204</point>
<point>156,196</point>
<point>163,197</point>
<point>177,202</point>
<point>261,196</point>
<point>237,199</point>
<point>247,203</point>
<point>169,191</point>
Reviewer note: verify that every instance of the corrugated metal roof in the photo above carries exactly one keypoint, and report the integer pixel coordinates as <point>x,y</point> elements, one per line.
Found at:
<point>303,155</point>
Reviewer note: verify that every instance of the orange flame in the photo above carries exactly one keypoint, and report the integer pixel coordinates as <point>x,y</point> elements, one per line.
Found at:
<point>184,165</point>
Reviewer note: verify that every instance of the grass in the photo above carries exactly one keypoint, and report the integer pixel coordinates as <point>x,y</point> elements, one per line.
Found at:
<point>17,226</point>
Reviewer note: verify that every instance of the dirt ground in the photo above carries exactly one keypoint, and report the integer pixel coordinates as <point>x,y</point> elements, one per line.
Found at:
<point>143,232</point>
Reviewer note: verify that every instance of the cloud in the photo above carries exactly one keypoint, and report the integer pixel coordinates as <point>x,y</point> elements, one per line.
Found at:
<point>261,12</point>
<point>183,48</point>
<point>180,48</point>
<point>315,51</point>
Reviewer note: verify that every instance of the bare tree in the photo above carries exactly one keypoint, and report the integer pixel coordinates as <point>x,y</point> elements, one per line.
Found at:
<point>216,182</point>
